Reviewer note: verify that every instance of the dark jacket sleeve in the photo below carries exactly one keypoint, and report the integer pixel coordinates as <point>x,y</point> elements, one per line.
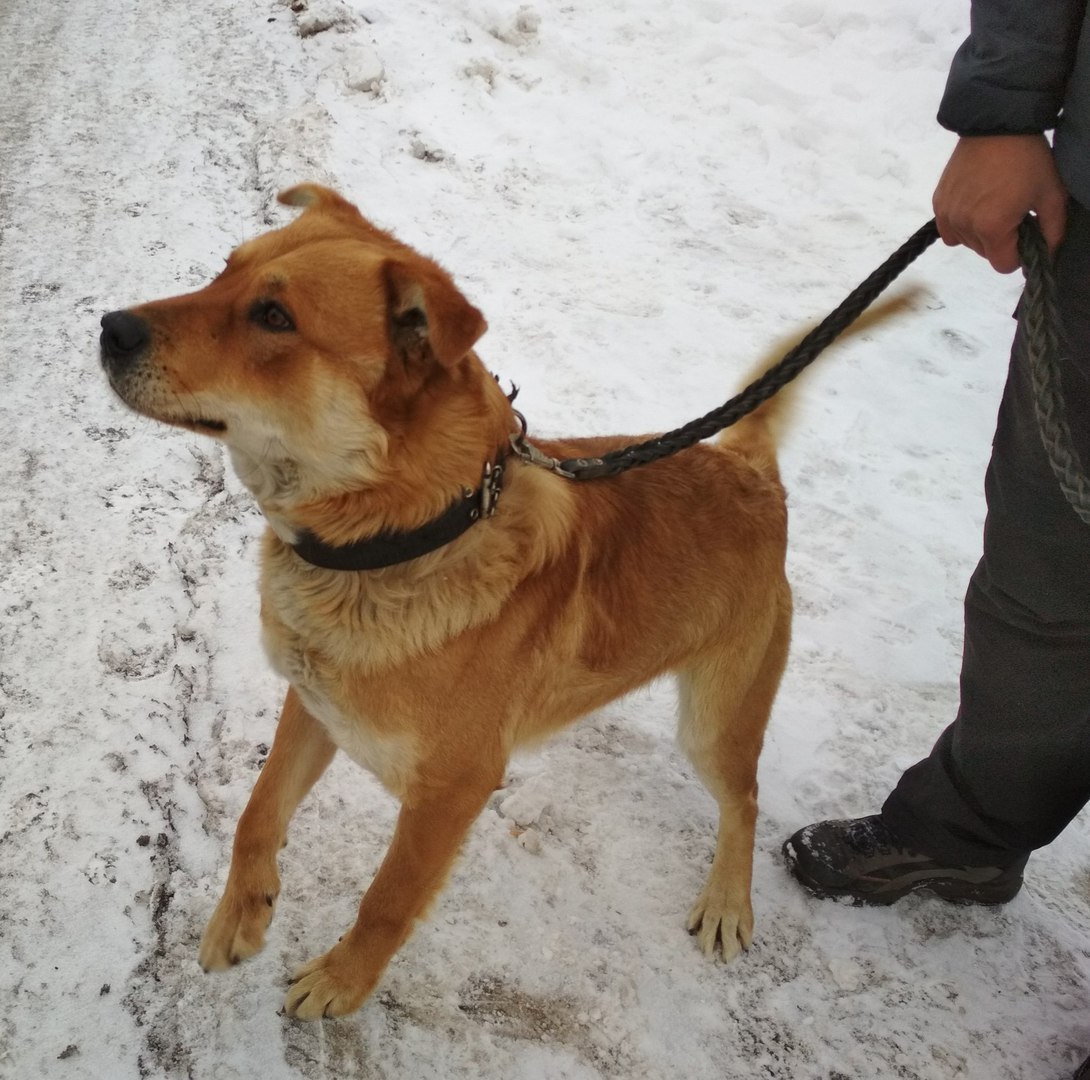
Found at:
<point>1008,77</point>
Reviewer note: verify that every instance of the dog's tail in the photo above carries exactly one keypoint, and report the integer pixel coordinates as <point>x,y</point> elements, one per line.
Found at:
<point>758,434</point>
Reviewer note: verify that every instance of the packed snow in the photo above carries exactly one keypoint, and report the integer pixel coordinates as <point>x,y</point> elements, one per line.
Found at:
<point>644,199</point>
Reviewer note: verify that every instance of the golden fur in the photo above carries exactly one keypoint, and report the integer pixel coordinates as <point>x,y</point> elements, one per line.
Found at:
<point>371,411</point>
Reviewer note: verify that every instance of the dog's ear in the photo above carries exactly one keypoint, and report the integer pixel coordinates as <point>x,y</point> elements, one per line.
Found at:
<point>316,196</point>
<point>428,315</point>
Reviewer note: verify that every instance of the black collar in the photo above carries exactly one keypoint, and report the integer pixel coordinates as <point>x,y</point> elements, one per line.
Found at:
<point>389,547</point>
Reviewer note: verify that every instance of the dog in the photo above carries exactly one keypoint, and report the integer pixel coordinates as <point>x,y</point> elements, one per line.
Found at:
<point>435,600</point>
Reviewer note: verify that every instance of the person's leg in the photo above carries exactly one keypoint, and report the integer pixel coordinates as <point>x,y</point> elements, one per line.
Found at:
<point>1014,767</point>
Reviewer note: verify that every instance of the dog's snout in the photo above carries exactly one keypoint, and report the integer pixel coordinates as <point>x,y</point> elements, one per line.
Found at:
<point>124,338</point>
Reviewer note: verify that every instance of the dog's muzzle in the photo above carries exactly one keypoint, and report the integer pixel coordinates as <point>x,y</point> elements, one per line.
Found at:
<point>124,340</point>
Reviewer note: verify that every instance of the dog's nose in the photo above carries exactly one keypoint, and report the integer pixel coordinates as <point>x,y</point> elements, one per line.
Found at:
<point>124,337</point>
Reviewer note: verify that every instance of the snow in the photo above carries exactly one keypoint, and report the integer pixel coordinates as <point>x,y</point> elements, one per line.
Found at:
<point>644,198</point>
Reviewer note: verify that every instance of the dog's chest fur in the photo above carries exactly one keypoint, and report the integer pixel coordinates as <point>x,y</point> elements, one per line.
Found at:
<point>390,757</point>
<point>324,660</point>
<point>335,636</point>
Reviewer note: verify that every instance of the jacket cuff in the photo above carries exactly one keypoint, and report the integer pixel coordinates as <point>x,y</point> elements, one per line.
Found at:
<point>984,97</point>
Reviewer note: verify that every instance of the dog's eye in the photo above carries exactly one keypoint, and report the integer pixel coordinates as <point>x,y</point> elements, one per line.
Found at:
<point>269,315</point>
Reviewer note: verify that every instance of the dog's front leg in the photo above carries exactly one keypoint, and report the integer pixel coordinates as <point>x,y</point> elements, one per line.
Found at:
<point>430,829</point>
<point>300,752</point>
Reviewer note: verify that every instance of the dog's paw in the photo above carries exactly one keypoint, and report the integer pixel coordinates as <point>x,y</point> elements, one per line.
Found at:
<point>237,928</point>
<point>721,926</point>
<point>332,985</point>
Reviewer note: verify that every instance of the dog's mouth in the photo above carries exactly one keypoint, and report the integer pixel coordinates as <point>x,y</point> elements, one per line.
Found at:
<point>136,393</point>
<point>204,426</point>
<point>201,425</point>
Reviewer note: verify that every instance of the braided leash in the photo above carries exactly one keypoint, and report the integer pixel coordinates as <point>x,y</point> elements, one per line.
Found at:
<point>759,391</point>
<point>1041,320</point>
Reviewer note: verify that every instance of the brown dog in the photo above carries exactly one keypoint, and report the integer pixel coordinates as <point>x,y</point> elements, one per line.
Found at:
<point>424,637</point>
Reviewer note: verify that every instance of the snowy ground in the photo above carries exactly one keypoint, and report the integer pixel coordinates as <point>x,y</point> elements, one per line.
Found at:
<point>642,197</point>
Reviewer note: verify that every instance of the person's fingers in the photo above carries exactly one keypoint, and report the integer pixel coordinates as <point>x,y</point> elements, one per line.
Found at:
<point>1001,250</point>
<point>947,232</point>
<point>1052,217</point>
<point>988,185</point>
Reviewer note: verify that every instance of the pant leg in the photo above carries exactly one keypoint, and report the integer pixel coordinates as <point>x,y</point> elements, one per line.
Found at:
<point>1014,767</point>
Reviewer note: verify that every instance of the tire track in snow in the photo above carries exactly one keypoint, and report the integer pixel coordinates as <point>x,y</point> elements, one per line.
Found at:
<point>181,97</point>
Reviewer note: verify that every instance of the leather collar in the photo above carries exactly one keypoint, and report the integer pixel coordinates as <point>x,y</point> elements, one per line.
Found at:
<point>390,547</point>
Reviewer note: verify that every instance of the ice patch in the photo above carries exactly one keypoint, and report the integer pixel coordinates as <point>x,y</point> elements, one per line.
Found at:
<point>526,805</point>
<point>317,16</point>
<point>364,70</point>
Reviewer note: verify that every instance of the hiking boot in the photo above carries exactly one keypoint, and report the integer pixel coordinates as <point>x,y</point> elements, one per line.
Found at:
<point>862,860</point>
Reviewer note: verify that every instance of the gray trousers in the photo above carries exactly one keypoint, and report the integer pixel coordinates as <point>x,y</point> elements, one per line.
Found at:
<point>1014,767</point>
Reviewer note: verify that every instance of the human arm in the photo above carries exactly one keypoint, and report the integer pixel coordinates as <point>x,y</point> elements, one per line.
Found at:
<point>1006,87</point>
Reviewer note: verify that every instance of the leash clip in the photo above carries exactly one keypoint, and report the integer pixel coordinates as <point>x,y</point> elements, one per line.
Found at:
<point>530,454</point>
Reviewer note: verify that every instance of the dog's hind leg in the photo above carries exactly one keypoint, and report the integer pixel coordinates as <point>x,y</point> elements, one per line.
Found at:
<point>300,752</point>
<point>725,705</point>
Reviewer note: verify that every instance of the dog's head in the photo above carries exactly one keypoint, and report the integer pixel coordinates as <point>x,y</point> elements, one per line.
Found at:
<point>322,351</point>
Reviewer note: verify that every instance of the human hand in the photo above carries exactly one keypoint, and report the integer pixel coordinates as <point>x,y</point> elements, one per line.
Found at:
<point>989,185</point>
